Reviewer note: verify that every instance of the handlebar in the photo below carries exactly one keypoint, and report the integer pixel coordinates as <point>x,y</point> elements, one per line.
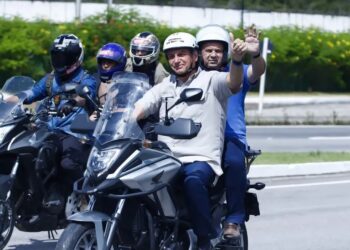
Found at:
<point>252,152</point>
<point>250,156</point>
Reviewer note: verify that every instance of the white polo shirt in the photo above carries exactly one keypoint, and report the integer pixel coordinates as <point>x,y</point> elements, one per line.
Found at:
<point>210,111</point>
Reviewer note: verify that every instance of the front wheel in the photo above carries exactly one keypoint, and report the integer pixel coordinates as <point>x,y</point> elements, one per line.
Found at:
<point>7,223</point>
<point>77,236</point>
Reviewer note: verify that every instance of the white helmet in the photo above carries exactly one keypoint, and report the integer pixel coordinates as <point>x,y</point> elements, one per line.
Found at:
<point>180,40</point>
<point>149,44</point>
<point>214,32</point>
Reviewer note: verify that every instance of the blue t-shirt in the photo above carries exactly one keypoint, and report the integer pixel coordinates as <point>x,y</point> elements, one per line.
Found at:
<point>235,121</point>
<point>39,92</point>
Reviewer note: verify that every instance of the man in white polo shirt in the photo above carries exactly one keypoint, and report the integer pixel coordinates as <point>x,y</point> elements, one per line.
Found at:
<point>200,155</point>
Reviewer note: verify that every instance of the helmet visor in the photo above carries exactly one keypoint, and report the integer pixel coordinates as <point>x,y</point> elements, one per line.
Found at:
<point>61,60</point>
<point>142,51</point>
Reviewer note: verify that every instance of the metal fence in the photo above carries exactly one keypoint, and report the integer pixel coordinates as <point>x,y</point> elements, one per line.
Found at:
<point>335,7</point>
<point>67,11</point>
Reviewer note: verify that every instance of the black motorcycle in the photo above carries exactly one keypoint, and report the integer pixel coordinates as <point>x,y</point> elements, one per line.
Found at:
<point>29,170</point>
<point>131,182</point>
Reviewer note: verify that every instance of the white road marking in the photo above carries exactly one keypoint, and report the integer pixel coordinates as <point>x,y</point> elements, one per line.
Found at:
<point>329,138</point>
<point>308,184</point>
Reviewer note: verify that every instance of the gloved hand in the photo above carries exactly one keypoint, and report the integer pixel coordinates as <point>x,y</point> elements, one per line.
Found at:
<point>67,107</point>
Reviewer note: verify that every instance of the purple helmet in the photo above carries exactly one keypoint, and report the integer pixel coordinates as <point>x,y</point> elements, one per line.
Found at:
<point>114,52</point>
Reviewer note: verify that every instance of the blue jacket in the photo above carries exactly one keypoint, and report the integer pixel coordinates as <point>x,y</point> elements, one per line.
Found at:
<point>235,120</point>
<point>39,92</point>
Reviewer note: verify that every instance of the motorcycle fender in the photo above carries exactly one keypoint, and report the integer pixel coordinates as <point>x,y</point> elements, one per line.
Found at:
<point>5,184</point>
<point>93,217</point>
<point>89,216</point>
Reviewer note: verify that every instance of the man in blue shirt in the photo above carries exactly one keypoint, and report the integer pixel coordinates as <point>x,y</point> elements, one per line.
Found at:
<point>213,42</point>
<point>66,58</point>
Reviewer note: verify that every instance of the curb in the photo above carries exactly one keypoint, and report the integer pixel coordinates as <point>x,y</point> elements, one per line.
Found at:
<point>282,100</point>
<point>300,169</point>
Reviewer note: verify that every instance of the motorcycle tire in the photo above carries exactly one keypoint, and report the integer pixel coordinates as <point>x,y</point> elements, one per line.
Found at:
<point>7,223</point>
<point>78,236</point>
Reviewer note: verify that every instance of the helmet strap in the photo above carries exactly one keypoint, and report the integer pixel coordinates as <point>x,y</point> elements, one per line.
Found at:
<point>138,64</point>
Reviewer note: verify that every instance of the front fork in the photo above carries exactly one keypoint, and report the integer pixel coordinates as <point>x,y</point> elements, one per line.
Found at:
<point>7,182</point>
<point>105,237</point>
<point>5,194</point>
<point>112,226</point>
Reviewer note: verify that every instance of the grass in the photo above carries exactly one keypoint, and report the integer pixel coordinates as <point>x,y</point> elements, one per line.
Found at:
<point>286,158</point>
<point>314,93</point>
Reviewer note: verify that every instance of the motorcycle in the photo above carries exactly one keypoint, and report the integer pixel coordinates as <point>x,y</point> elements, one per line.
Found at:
<point>30,170</point>
<point>9,129</point>
<point>134,202</point>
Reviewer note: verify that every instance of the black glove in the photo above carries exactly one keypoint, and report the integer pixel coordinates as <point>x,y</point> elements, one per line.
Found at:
<point>67,107</point>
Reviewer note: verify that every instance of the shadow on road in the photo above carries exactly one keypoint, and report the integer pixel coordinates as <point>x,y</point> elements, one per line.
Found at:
<point>34,244</point>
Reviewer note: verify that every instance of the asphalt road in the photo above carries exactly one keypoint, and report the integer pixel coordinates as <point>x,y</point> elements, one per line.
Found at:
<point>305,213</point>
<point>31,241</point>
<point>299,138</point>
<point>296,213</point>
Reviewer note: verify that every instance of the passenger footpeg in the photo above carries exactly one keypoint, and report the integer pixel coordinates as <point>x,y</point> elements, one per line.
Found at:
<point>230,244</point>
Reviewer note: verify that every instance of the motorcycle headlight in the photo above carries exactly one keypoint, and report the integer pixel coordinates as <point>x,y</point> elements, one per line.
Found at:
<point>4,130</point>
<point>100,160</point>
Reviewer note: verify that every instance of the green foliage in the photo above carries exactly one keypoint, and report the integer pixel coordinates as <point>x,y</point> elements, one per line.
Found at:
<point>301,60</point>
<point>291,157</point>
<point>23,47</point>
<point>308,60</point>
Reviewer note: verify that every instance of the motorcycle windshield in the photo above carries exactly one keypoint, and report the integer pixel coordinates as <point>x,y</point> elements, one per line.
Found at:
<point>116,120</point>
<point>17,84</point>
<point>11,110</point>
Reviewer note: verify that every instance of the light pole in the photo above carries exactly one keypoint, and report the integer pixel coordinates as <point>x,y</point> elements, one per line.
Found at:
<point>109,4</point>
<point>242,14</point>
<point>78,10</point>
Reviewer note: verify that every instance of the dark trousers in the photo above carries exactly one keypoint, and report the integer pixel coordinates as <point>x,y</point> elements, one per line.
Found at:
<point>74,156</point>
<point>197,177</point>
<point>235,180</point>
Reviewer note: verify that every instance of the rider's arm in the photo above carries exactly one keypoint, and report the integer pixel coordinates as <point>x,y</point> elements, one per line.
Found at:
<point>139,112</point>
<point>37,92</point>
<point>150,103</point>
<point>235,76</point>
<point>258,65</point>
<point>256,69</point>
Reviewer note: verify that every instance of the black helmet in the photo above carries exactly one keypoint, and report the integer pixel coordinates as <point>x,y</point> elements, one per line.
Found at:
<point>66,54</point>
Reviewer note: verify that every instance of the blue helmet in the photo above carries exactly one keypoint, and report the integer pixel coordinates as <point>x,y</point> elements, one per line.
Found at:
<point>114,52</point>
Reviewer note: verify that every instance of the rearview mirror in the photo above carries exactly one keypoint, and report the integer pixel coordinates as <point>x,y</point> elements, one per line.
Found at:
<point>82,90</point>
<point>191,95</point>
<point>187,95</point>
